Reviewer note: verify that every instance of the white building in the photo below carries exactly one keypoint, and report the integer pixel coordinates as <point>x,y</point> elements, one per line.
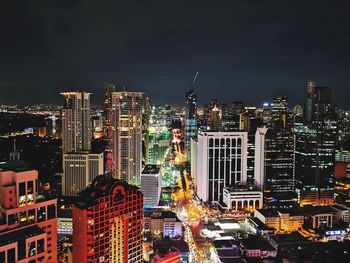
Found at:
<point>242,198</point>
<point>151,184</point>
<point>259,162</point>
<point>79,169</point>
<point>163,224</point>
<point>219,161</point>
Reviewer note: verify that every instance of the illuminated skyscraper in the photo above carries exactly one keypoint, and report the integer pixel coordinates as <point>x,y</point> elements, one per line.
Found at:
<point>79,169</point>
<point>314,165</point>
<point>76,122</point>
<point>309,108</point>
<point>190,118</point>
<point>279,181</point>
<point>107,102</point>
<point>28,221</point>
<point>158,133</point>
<point>279,163</point>
<point>127,135</point>
<point>108,223</point>
<point>315,149</point>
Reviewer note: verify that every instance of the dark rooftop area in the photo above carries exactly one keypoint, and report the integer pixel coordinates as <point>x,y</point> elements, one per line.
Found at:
<point>291,237</point>
<point>256,243</point>
<point>151,169</point>
<point>165,245</point>
<point>14,165</point>
<point>314,210</point>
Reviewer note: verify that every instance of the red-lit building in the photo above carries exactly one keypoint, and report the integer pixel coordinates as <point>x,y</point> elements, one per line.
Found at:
<point>28,221</point>
<point>170,257</point>
<point>108,223</point>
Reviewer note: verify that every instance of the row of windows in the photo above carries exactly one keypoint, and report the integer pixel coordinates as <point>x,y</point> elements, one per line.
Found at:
<point>228,142</point>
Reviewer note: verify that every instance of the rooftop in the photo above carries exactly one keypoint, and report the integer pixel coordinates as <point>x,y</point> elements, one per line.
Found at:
<point>151,169</point>
<point>260,225</point>
<point>256,243</point>
<point>14,165</point>
<point>340,207</point>
<point>315,210</point>
<point>223,244</point>
<point>270,212</point>
<point>101,186</point>
<point>161,215</point>
<point>290,238</point>
<point>240,188</point>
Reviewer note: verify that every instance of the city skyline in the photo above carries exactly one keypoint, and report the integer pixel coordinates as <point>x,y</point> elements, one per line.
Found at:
<point>165,132</point>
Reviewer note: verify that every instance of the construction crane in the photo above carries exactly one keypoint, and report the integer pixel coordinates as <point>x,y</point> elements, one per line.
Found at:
<point>194,79</point>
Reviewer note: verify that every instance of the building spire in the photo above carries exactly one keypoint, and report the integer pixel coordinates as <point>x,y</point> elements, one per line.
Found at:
<point>14,154</point>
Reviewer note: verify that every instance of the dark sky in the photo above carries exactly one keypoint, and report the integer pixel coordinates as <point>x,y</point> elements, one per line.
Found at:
<point>247,50</point>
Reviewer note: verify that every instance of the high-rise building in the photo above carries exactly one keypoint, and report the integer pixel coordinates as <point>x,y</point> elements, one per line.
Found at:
<point>230,120</point>
<point>259,158</point>
<point>319,106</point>
<point>79,170</point>
<point>108,222</point>
<point>151,184</point>
<point>127,135</point>
<point>279,162</point>
<point>250,122</point>
<point>190,118</point>
<point>107,102</point>
<point>309,108</point>
<point>314,165</point>
<point>76,122</point>
<point>28,221</point>
<point>215,119</point>
<point>220,160</point>
<point>158,134</point>
<point>315,148</point>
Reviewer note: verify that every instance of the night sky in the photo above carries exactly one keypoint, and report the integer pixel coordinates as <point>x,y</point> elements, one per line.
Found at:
<point>247,50</point>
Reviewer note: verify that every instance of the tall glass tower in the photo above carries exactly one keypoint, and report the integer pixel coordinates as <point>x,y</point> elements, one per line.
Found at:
<point>190,121</point>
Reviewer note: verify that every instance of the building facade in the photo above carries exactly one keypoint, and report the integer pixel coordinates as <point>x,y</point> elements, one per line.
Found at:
<point>242,198</point>
<point>163,224</point>
<point>314,166</point>
<point>108,223</point>
<point>79,170</point>
<point>280,220</point>
<point>190,118</point>
<point>127,135</point>
<point>220,161</point>
<point>259,158</point>
<point>158,133</point>
<point>279,162</point>
<point>151,184</point>
<point>107,100</point>
<point>76,122</point>
<point>28,222</point>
